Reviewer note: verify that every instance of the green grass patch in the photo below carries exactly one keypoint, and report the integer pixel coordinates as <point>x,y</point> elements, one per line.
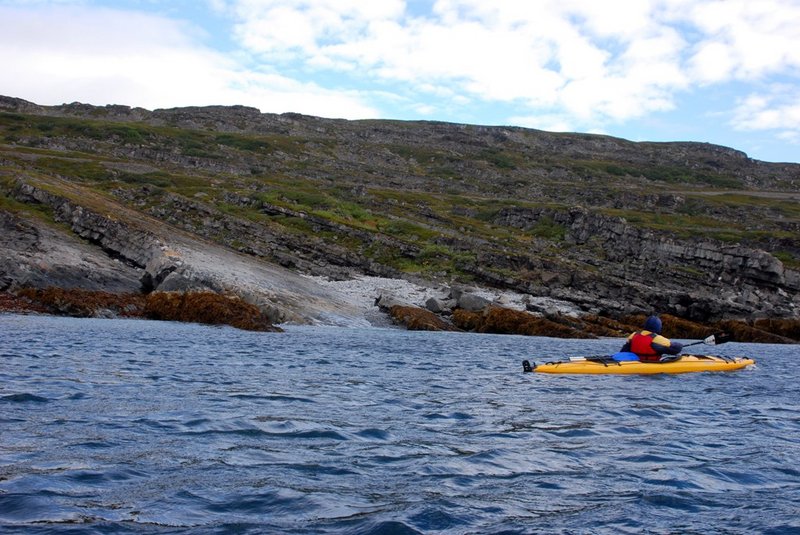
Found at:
<point>499,158</point>
<point>70,127</point>
<point>294,224</point>
<point>40,212</point>
<point>660,173</point>
<point>548,229</point>
<point>245,143</point>
<point>297,198</point>
<point>407,230</point>
<point>191,143</point>
<point>84,170</point>
<point>422,155</point>
<point>788,259</point>
<point>589,168</point>
<point>159,179</point>
<point>786,207</point>
<point>352,215</point>
<point>434,251</point>
<point>681,225</point>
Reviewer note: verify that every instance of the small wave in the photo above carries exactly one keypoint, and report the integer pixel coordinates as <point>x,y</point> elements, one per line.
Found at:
<point>11,420</point>
<point>255,432</point>
<point>155,424</point>
<point>675,483</point>
<point>574,433</point>
<point>624,430</point>
<point>317,469</point>
<point>251,432</point>
<point>102,479</point>
<point>451,416</point>
<point>17,507</point>
<point>23,398</point>
<point>317,434</point>
<point>649,458</point>
<point>272,502</point>
<point>681,500</point>
<point>374,434</point>
<point>197,422</point>
<point>391,527</point>
<point>726,479</point>
<point>436,520</point>
<point>95,445</point>
<point>273,397</point>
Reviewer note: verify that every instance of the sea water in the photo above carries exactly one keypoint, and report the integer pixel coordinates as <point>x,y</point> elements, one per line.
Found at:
<point>118,426</point>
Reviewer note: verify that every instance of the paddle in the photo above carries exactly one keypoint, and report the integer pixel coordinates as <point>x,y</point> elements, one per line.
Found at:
<point>714,339</point>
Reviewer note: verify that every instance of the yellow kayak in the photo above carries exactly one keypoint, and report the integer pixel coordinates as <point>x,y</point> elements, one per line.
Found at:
<point>606,365</point>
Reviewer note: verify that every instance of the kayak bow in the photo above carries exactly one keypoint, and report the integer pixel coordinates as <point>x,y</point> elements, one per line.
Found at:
<point>606,365</point>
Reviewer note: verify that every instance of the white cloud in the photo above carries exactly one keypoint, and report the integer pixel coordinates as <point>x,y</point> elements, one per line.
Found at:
<point>777,110</point>
<point>219,6</point>
<point>744,39</point>
<point>105,56</point>
<point>609,61</point>
<point>425,109</point>
<point>548,122</point>
<point>305,26</point>
<point>618,19</point>
<point>713,62</point>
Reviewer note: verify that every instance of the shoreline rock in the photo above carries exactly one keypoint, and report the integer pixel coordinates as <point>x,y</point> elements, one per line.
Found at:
<point>398,310</point>
<point>176,200</point>
<point>188,307</point>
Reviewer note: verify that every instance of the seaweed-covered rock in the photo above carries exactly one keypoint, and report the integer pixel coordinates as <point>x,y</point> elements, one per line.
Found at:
<point>418,319</point>
<point>498,320</point>
<point>82,303</point>
<point>209,308</point>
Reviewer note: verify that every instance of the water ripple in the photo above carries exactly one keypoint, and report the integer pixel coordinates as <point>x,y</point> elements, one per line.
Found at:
<point>23,398</point>
<point>123,426</point>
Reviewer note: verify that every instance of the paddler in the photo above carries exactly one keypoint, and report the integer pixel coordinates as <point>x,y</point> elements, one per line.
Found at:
<point>649,345</point>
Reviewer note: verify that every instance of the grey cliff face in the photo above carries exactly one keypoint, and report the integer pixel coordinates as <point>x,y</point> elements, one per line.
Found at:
<point>698,279</point>
<point>125,253</point>
<point>35,255</point>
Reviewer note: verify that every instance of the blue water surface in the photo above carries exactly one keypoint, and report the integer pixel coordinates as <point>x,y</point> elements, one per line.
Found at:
<point>124,426</point>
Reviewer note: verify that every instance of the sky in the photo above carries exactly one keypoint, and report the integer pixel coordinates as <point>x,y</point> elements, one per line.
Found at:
<point>719,71</point>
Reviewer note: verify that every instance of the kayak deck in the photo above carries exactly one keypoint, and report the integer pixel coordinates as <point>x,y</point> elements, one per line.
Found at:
<point>606,365</point>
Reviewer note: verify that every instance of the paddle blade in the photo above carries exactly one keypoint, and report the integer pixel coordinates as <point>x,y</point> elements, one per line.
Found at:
<point>718,338</point>
<point>721,338</point>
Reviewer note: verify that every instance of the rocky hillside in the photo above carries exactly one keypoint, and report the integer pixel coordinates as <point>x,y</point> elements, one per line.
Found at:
<point>230,199</point>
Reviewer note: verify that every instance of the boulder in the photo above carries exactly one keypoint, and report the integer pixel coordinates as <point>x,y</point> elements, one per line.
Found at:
<point>472,302</point>
<point>387,300</point>
<point>457,290</point>
<point>440,306</point>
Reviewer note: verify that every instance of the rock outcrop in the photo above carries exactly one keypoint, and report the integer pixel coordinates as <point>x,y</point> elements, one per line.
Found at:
<point>38,255</point>
<point>233,201</point>
<point>695,278</point>
<point>163,258</point>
